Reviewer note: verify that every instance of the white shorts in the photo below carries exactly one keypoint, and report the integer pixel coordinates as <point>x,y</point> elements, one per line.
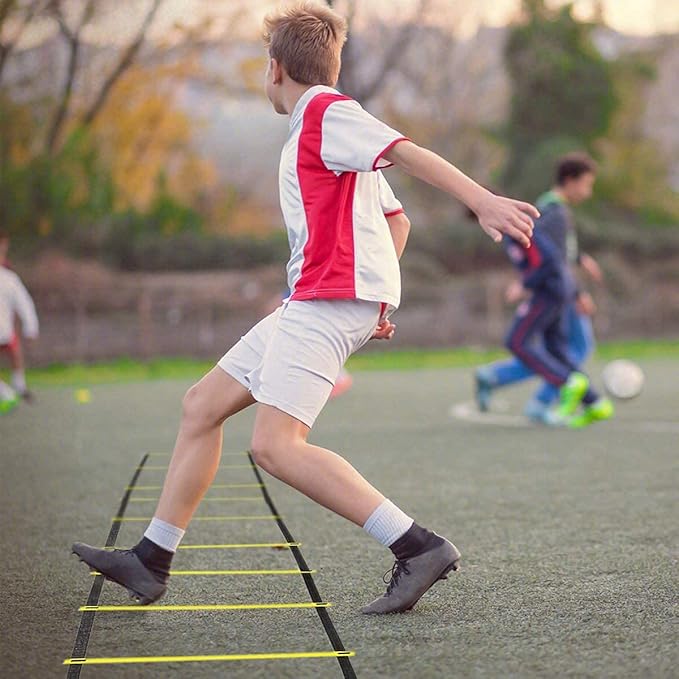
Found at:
<point>291,358</point>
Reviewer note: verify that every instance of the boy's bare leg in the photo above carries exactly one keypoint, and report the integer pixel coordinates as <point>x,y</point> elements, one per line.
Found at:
<point>16,359</point>
<point>16,356</point>
<point>145,569</point>
<point>280,447</point>
<point>198,448</point>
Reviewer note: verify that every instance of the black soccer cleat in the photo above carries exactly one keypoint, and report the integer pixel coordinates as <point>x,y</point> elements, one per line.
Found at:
<point>123,567</point>
<point>27,395</point>
<point>411,578</point>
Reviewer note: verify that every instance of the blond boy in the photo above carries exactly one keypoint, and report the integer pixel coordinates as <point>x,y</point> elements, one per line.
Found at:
<point>344,280</point>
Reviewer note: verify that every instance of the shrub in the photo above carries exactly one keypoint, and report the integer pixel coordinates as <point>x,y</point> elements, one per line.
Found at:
<point>192,251</point>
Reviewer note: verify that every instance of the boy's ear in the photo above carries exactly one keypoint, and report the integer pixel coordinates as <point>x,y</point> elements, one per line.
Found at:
<point>276,72</point>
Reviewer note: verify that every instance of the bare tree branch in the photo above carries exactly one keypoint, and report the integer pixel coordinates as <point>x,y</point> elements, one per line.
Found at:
<point>7,7</point>
<point>126,59</point>
<point>72,37</point>
<point>349,82</point>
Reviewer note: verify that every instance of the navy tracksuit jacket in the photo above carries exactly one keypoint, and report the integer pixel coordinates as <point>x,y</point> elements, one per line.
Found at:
<point>538,335</point>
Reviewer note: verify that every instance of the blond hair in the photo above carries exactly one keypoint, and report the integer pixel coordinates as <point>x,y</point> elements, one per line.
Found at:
<point>306,38</point>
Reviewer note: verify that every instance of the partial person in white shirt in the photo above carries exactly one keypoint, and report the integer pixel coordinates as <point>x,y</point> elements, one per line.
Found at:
<point>15,302</point>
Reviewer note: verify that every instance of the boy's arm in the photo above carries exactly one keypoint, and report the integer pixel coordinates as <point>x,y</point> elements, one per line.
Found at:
<point>399,226</point>
<point>515,291</point>
<point>591,267</point>
<point>496,215</point>
<point>547,262</point>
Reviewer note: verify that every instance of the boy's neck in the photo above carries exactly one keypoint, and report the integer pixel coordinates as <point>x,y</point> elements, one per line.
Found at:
<point>294,92</point>
<point>558,192</point>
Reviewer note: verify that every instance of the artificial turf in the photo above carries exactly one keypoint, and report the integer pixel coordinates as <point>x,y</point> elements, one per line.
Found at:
<point>569,539</point>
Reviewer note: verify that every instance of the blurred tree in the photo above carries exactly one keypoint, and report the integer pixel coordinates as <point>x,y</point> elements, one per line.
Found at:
<point>114,136</point>
<point>354,80</point>
<point>15,18</point>
<point>48,188</point>
<point>73,37</point>
<point>562,89</point>
<point>142,135</point>
<point>448,112</point>
<point>634,171</point>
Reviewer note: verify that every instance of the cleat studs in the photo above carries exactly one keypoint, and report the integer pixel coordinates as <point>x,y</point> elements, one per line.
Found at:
<point>135,596</point>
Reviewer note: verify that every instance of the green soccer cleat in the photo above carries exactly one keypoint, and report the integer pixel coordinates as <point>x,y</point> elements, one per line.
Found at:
<point>602,409</point>
<point>571,394</point>
<point>8,404</point>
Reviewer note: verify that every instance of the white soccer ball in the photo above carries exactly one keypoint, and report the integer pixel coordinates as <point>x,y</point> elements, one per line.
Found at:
<point>623,379</point>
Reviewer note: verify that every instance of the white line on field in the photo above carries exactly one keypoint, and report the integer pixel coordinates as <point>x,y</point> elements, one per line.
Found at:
<point>468,412</point>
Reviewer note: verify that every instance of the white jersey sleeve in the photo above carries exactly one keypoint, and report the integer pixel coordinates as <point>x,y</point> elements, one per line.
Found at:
<point>390,204</point>
<point>352,140</point>
<point>25,309</point>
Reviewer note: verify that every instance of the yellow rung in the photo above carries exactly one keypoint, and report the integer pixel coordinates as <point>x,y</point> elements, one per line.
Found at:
<point>245,545</point>
<point>208,658</point>
<point>214,485</point>
<point>266,517</point>
<point>205,499</point>
<point>161,467</point>
<point>292,571</point>
<point>202,607</point>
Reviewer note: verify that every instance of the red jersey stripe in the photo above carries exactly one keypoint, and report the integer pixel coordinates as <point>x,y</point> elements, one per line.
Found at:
<point>328,199</point>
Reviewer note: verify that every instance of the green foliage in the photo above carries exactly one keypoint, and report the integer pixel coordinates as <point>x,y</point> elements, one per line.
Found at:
<point>191,250</point>
<point>537,166</point>
<point>454,248</point>
<point>603,227</point>
<point>45,196</point>
<point>69,200</point>
<point>567,97</point>
<point>634,170</point>
<point>562,89</point>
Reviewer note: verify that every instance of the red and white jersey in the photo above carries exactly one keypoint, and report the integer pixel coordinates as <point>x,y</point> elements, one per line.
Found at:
<point>334,201</point>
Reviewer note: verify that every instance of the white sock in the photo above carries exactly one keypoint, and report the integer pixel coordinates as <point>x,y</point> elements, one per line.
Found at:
<point>164,534</point>
<point>6,392</point>
<point>19,380</point>
<point>387,523</point>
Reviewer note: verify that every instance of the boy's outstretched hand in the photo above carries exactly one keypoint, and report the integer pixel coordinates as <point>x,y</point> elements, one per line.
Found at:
<point>498,215</point>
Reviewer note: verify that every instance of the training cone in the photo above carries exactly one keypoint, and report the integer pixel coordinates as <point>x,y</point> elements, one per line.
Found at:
<point>83,395</point>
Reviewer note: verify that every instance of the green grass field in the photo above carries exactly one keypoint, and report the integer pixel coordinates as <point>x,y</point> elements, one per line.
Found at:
<point>128,370</point>
<point>570,540</point>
